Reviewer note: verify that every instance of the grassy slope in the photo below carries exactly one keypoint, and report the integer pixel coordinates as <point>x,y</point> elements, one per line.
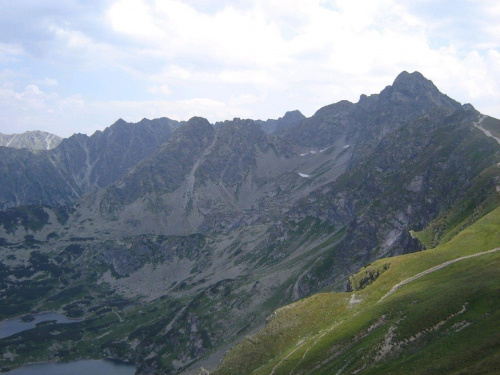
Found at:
<point>444,322</point>
<point>493,125</point>
<point>480,199</point>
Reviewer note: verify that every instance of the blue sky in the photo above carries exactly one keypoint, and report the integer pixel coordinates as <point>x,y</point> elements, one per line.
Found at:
<point>75,66</point>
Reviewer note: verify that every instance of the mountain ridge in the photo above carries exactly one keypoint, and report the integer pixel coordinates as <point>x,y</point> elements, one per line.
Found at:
<point>32,140</point>
<point>217,226</point>
<point>79,163</point>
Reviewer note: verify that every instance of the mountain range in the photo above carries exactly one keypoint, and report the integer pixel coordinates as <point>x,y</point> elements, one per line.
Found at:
<point>175,240</point>
<point>78,164</point>
<point>32,140</point>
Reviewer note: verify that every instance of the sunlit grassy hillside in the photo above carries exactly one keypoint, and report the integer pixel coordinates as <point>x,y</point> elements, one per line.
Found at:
<point>444,322</point>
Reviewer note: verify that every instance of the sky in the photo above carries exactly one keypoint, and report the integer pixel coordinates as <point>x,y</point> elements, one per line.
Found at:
<point>76,66</point>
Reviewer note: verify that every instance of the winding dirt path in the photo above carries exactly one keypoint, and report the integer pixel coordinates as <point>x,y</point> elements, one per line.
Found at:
<point>394,288</point>
<point>284,359</point>
<point>433,269</point>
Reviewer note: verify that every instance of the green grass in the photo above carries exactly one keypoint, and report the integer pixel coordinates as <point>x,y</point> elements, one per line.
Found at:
<point>367,275</point>
<point>480,199</point>
<point>493,125</point>
<point>441,323</point>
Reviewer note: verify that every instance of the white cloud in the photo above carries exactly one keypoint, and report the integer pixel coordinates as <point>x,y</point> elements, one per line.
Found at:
<point>32,109</point>
<point>245,37</point>
<point>47,82</point>
<point>10,52</point>
<point>133,17</point>
<point>162,90</point>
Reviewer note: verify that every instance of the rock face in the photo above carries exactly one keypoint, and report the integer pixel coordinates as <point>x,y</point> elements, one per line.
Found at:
<point>79,164</point>
<point>98,160</point>
<point>32,140</point>
<point>237,173</point>
<point>215,226</point>
<point>28,178</point>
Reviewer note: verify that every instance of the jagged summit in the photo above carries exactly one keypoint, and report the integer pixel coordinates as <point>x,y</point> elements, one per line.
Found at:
<point>414,84</point>
<point>120,121</point>
<point>194,127</point>
<point>404,78</point>
<point>293,115</point>
<point>198,121</point>
<point>290,119</point>
<point>410,90</point>
<point>339,107</point>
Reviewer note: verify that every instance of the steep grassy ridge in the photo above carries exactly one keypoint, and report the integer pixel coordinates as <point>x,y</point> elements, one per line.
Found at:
<point>481,198</point>
<point>442,322</point>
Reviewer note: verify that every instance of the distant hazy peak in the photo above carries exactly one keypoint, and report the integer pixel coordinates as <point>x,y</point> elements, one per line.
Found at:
<point>197,123</point>
<point>32,140</point>
<point>194,127</point>
<point>289,119</point>
<point>296,114</point>
<point>339,107</point>
<point>161,121</point>
<point>119,122</point>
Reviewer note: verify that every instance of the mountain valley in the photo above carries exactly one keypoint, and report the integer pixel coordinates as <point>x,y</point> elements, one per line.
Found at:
<point>174,241</point>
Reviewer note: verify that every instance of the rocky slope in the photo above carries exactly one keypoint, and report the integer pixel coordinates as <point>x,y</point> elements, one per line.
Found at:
<point>32,140</point>
<point>79,164</point>
<point>211,230</point>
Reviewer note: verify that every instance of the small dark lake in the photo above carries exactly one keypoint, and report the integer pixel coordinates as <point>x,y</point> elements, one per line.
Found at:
<point>10,327</point>
<point>84,367</point>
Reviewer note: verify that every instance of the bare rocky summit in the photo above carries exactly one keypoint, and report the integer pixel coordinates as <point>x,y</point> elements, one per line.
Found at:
<point>32,140</point>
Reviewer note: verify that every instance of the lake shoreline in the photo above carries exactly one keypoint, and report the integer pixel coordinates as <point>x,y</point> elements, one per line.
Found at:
<point>34,368</point>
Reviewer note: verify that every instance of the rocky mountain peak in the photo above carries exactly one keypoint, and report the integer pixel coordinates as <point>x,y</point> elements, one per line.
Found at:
<point>414,87</point>
<point>239,125</point>
<point>413,82</point>
<point>32,140</point>
<point>118,124</point>
<point>162,121</point>
<point>290,119</point>
<point>338,109</point>
<point>195,127</point>
<point>239,135</point>
<point>120,121</point>
<point>468,107</point>
<point>198,123</point>
<point>293,116</point>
